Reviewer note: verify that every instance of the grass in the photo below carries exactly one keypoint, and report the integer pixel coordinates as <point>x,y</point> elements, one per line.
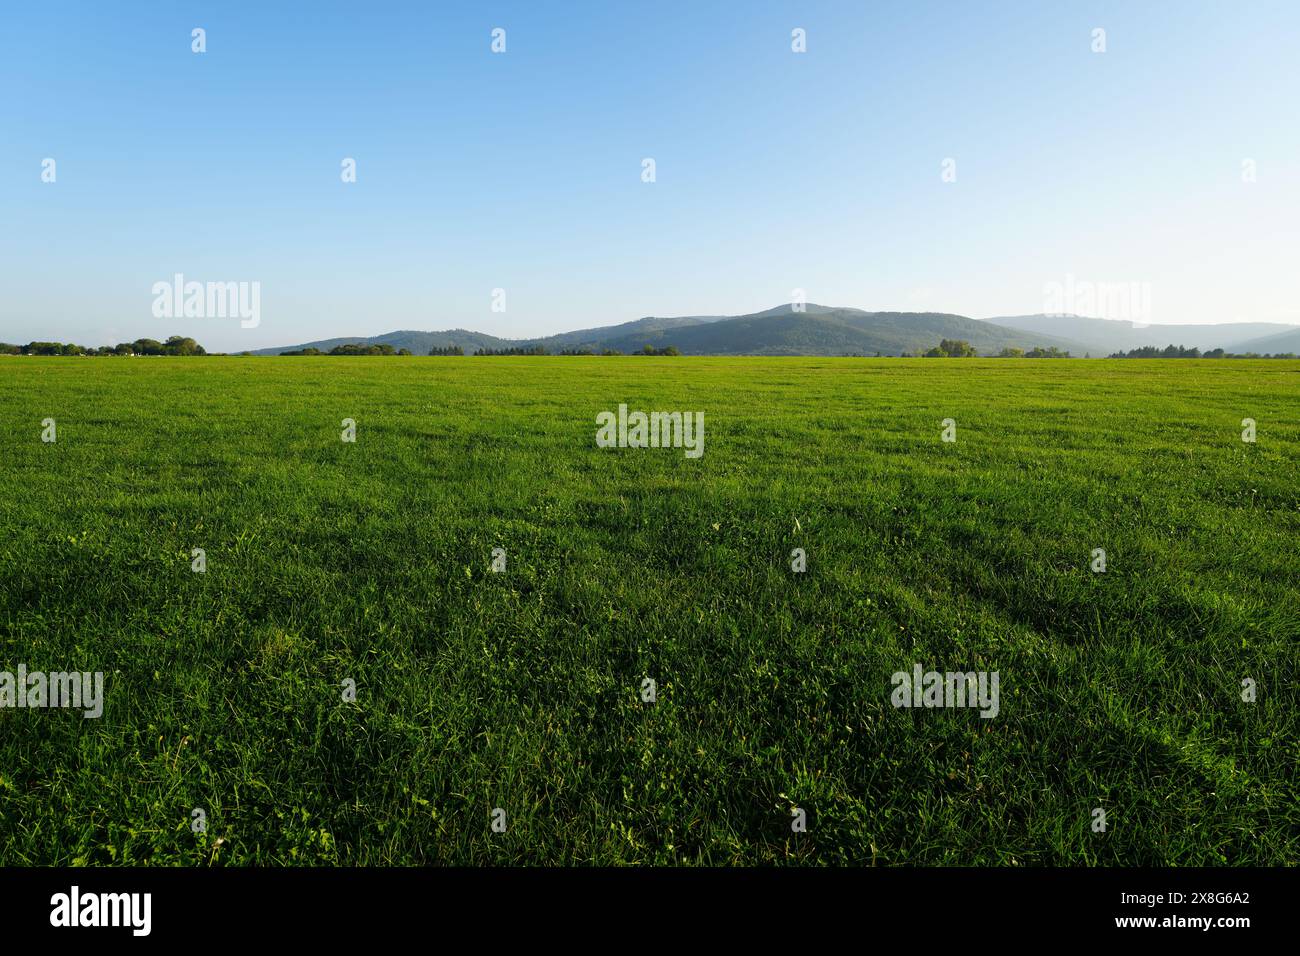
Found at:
<point>329,561</point>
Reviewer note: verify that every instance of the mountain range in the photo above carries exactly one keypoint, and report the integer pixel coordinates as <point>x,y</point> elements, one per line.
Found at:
<point>827,330</point>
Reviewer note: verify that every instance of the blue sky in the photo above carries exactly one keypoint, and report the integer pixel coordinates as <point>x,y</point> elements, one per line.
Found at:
<point>775,171</point>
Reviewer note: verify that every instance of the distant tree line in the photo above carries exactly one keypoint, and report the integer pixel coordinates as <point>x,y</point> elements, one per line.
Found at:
<point>960,348</point>
<point>1178,351</point>
<point>541,350</point>
<point>352,348</point>
<point>1036,353</point>
<point>947,348</point>
<point>514,350</point>
<point>176,345</point>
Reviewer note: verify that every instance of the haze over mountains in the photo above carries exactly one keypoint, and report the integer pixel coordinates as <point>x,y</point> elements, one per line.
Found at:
<point>1104,336</point>
<point>826,330</point>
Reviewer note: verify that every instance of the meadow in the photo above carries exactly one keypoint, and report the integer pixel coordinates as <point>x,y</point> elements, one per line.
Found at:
<point>371,563</point>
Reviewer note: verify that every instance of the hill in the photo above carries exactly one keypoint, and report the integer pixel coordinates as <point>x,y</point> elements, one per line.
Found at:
<point>1104,336</point>
<point>417,342</point>
<point>1269,344</point>
<point>816,330</point>
<point>820,330</point>
<point>421,342</point>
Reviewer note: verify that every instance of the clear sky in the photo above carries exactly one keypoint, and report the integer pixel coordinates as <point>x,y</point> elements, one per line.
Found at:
<point>775,170</point>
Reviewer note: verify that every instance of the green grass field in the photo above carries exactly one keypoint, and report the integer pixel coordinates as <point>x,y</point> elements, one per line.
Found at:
<point>371,561</point>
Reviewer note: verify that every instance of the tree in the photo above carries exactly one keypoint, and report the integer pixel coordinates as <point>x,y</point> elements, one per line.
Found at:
<point>1169,351</point>
<point>952,348</point>
<point>958,348</point>
<point>360,348</point>
<point>181,345</point>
